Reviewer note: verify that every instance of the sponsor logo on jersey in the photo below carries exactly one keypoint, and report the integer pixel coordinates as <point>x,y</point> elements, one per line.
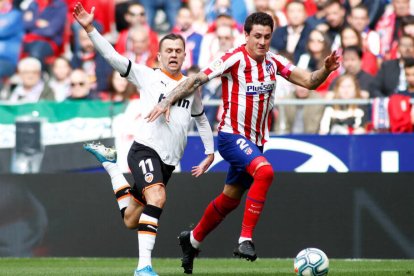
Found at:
<point>184,103</point>
<point>260,88</point>
<point>149,177</point>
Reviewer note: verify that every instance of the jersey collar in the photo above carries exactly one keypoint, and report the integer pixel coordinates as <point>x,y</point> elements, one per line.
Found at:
<point>176,78</point>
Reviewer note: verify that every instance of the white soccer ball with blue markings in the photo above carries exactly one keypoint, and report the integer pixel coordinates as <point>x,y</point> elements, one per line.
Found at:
<point>311,262</point>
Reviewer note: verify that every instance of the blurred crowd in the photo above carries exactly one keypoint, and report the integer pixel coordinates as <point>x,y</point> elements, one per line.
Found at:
<point>46,55</point>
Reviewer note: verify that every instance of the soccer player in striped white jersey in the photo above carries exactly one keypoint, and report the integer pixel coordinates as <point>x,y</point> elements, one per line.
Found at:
<point>248,76</point>
<point>159,145</point>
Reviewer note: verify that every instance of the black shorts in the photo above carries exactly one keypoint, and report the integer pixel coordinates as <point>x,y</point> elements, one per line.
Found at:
<point>147,169</point>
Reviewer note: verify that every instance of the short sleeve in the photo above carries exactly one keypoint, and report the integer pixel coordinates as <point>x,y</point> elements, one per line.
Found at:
<point>218,66</point>
<point>284,67</point>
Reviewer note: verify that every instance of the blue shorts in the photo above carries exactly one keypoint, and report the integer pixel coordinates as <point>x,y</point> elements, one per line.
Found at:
<point>239,152</point>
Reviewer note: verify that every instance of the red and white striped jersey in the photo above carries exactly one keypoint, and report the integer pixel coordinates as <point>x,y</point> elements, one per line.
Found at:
<point>248,91</point>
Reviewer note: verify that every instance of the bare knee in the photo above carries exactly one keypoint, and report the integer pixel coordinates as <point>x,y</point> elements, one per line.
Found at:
<point>155,195</point>
<point>131,223</point>
<point>132,214</point>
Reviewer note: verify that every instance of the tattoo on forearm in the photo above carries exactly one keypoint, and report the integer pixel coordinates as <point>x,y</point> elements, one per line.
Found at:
<point>318,77</point>
<point>185,88</point>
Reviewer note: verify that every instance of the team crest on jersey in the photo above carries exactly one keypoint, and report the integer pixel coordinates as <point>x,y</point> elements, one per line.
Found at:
<point>149,177</point>
<point>248,150</point>
<point>270,68</point>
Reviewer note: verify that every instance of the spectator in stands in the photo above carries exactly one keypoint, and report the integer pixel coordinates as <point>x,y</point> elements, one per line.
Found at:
<point>216,7</point>
<point>407,25</point>
<point>263,5</point>
<point>272,13</point>
<point>409,76</point>
<point>197,9</point>
<point>406,28</point>
<point>352,64</point>
<point>319,16</point>
<point>217,43</point>
<point>91,62</point>
<point>225,18</point>
<point>239,10</point>
<point>300,119</point>
<point>310,7</point>
<point>32,87</point>
<point>318,47</point>
<point>358,18</point>
<point>345,118</point>
<point>335,21</point>
<point>389,25</point>
<point>44,23</point>
<point>136,17</point>
<point>293,37</point>
<point>140,51</point>
<point>11,34</point>
<point>121,10</point>
<point>192,38</point>
<point>236,8</point>
<point>223,41</point>
<point>170,8</point>
<point>80,86</point>
<point>352,37</point>
<point>278,7</point>
<point>375,9</point>
<point>391,78</point>
<point>60,78</point>
<point>120,89</point>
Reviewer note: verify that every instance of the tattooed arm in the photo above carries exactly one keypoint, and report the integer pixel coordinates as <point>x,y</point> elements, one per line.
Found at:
<point>183,90</point>
<point>311,80</point>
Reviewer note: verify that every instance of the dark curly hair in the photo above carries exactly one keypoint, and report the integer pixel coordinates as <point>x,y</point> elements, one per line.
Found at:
<point>258,18</point>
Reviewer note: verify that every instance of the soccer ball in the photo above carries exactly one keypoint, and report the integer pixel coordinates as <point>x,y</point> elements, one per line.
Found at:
<point>311,262</point>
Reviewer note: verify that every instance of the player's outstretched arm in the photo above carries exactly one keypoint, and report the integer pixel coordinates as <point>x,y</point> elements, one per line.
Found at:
<point>311,80</point>
<point>183,90</point>
<point>85,19</point>
<point>203,166</point>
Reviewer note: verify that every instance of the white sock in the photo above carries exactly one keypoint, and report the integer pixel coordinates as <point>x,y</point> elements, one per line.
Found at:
<point>195,243</point>
<point>119,182</point>
<point>242,239</point>
<point>145,245</point>
<point>146,241</point>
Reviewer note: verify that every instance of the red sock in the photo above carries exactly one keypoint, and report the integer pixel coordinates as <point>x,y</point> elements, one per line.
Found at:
<point>256,197</point>
<point>213,215</point>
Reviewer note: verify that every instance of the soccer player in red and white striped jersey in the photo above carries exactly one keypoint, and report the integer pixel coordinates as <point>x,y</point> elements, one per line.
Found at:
<point>248,75</point>
<point>248,91</point>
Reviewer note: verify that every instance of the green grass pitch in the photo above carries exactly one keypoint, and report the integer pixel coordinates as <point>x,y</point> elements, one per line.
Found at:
<point>203,266</point>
